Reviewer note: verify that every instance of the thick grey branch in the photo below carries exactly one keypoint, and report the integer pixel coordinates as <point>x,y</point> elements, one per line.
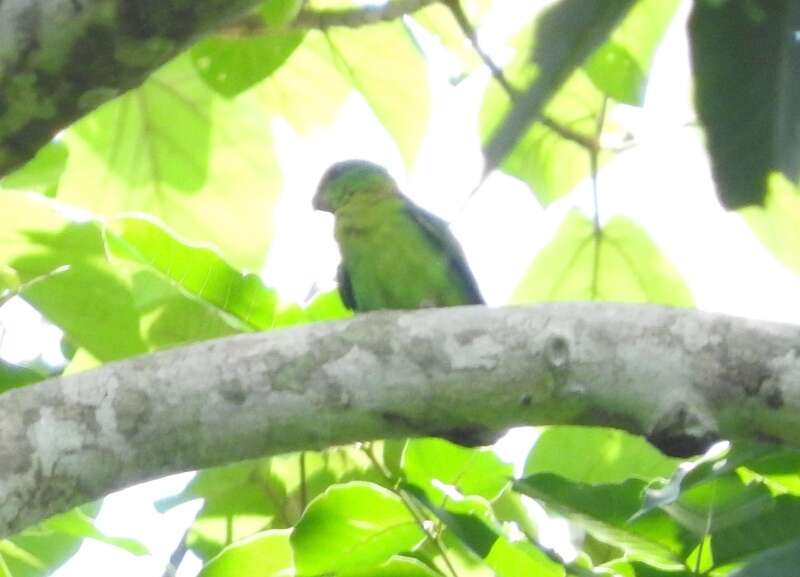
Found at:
<point>60,59</point>
<point>679,376</point>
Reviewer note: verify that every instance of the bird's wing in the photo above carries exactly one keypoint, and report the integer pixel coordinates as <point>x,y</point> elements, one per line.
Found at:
<point>438,232</point>
<point>345,287</point>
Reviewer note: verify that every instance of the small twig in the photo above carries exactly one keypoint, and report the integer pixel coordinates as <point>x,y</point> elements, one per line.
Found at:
<point>356,17</point>
<point>513,94</point>
<point>303,483</point>
<point>253,24</point>
<point>598,231</point>
<point>177,556</point>
<point>594,159</point>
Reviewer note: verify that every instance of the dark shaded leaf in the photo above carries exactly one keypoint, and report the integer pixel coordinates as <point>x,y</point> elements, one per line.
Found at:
<point>566,35</point>
<point>746,62</point>
<point>780,561</point>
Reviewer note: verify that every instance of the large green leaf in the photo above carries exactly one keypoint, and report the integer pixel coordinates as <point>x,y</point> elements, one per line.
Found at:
<point>266,554</point>
<point>432,464</point>
<point>608,513</point>
<point>244,498</point>
<point>620,264</point>
<point>521,558</point>
<point>597,455</point>
<point>396,566</point>
<point>777,223</point>
<point>88,299</point>
<point>42,173</point>
<point>781,561</point>
<point>746,64</point>
<point>198,269</point>
<point>14,375</point>
<point>765,524</point>
<point>201,164</point>
<point>387,69</point>
<point>353,526</point>
<point>293,93</point>
<point>122,302</point>
<point>39,550</point>
<point>232,64</point>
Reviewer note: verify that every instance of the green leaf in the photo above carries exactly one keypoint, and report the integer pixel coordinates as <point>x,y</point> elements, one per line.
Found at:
<point>199,163</point>
<point>566,34</point>
<point>637,569</point>
<point>40,550</point>
<point>232,65</point>
<point>550,164</point>
<point>597,455</point>
<point>326,306</point>
<point>244,498</point>
<point>397,566</point>
<point>76,289</point>
<point>76,523</point>
<point>746,64</point>
<point>267,554</point>
<point>438,19</point>
<point>293,93</point>
<point>614,71</point>
<point>42,173</point>
<point>14,375</point>
<point>171,317</point>
<point>395,87</point>
<point>512,559</point>
<point>776,222</point>
<point>469,519</point>
<point>780,561</point>
<point>432,464</point>
<point>766,524</point>
<point>352,526</point>
<point>706,469</point>
<point>619,67</point>
<point>779,469</point>
<point>621,264</point>
<point>608,513</point>
<point>200,270</point>
<point>280,12</point>
<point>114,308</point>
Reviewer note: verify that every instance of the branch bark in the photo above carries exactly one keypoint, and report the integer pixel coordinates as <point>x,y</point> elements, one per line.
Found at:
<point>682,377</point>
<point>60,59</point>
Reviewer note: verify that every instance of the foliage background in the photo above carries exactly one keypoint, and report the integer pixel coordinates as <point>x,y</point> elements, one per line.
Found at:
<point>143,226</point>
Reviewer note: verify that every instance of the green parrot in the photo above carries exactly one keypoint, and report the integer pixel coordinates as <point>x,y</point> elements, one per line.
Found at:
<point>395,255</point>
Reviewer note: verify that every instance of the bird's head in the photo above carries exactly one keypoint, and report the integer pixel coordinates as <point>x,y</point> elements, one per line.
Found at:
<point>350,177</point>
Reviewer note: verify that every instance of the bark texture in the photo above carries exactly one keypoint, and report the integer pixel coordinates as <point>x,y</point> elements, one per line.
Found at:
<point>682,377</point>
<point>60,59</point>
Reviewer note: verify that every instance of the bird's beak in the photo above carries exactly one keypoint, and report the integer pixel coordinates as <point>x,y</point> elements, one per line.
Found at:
<point>319,202</point>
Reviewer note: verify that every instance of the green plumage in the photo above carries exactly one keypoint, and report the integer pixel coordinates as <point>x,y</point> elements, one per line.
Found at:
<point>395,255</point>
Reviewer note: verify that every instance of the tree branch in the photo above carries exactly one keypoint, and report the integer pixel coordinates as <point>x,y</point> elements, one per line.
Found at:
<point>356,17</point>
<point>682,377</point>
<point>60,59</point>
